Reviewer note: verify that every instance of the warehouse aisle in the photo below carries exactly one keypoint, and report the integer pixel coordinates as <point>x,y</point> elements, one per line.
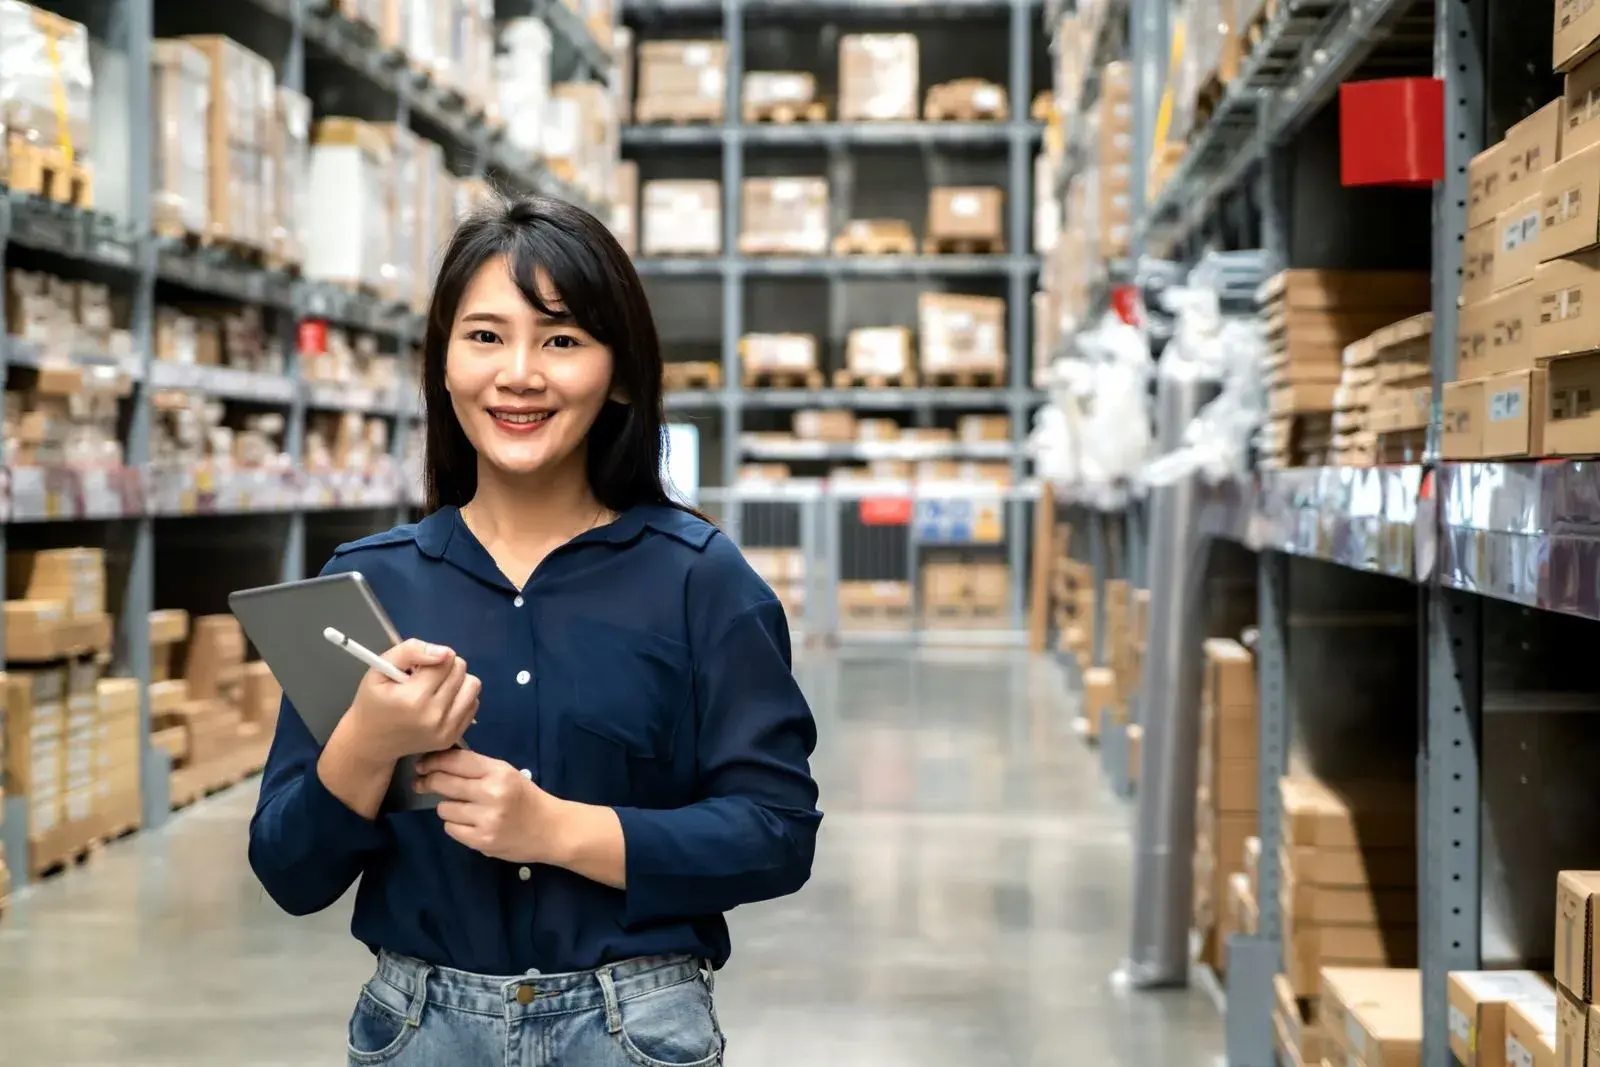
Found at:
<point>968,905</point>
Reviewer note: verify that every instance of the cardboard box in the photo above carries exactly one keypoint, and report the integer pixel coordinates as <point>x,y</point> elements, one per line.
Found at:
<point>879,351</point>
<point>767,353</point>
<point>816,425</point>
<point>1572,1030</point>
<point>1518,249</point>
<point>878,77</point>
<point>681,81</point>
<point>785,216</point>
<point>1581,108</point>
<point>1315,813</point>
<point>1497,335</point>
<point>33,630</point>
<point>1531,1031</point>
<point>1477,262</point>
<point>1577,33</point>
<point>682,218</point>
<point>1576,893</point>
<point>1486,191</point>
<point>1514,414</point>
<point>1230,678</point>
<point>1571,422</point>
<point>216,654</point>
<point>1570,219</point>
<point>625,206</point>
<point>1461,429</point>
<point>766,91</point>
<point>962,333</point>
<point>1563,288</point>
<point>348,229</point>
<point>1477,1010</point>
<point>1374,1014</point>
<point>967,213</point>
<point>1532,145</point>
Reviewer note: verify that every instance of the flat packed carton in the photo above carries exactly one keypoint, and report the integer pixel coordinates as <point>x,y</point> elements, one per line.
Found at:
<point>1477,261</point>
<point>878,77</point>
<point>1461,429</point>
<point>1477,1010</point>
<point>1577,33</point>
<point>1497,335</point>
<point>1532,145</point>
<point>682,218</point>
<point>1374,1015</point>
<point>1570,216</point>
<point>1531,1031</point>
<point>1356,815</point>
<point>1574,1039</point>
<point>1486,191</point>
<point>1576,895</point>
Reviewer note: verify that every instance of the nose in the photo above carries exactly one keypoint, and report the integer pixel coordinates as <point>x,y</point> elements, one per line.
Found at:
<point>523,371</point>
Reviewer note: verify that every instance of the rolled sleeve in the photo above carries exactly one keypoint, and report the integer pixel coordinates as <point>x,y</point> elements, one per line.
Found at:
<point>306,845</point>
<point>751,833</point>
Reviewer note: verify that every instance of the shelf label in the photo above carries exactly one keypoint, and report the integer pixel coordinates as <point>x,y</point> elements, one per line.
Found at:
<point>886,511</point>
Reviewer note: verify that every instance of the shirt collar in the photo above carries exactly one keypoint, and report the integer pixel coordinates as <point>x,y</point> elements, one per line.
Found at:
<point>436,532</point>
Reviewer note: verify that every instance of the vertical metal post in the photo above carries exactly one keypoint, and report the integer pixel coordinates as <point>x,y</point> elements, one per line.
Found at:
<point>1019,281</point>
<point>131,30</point>
<point>1448,771</point>
<point>292,563</point>
<point>1100,564</point>
<point>1254,960</point>
<point>732,262</point>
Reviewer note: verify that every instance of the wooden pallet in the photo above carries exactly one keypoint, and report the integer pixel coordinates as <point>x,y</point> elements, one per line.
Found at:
<point>783,379</point>
<point>76,843</point>
<point>962,617</point>
<point>849,379</point>
<point>47,172</point>
<point>784,113</point>
<point>963,246</point>
<point>692,374</point>
<point>646,116</point>
<point>198,781</point>
<point>964,379</point>
<point>875,617</point>
<point>875,237</point>
<point>948,103</point>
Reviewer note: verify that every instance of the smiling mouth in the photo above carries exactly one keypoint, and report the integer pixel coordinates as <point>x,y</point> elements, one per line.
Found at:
<point>522,418</point>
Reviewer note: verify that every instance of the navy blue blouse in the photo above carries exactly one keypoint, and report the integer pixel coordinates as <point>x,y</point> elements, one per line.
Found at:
<point>644,666</point>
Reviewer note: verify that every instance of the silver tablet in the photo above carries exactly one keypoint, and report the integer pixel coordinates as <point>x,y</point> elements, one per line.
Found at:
<point>285,623</point>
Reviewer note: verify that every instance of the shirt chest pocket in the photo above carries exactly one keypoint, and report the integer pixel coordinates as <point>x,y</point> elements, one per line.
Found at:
<point>623,709</point>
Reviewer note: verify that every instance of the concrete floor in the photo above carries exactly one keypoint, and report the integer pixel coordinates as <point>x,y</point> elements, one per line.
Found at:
<point>969,905</point>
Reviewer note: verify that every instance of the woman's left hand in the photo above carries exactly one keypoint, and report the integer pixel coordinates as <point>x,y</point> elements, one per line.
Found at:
<point>489,806</point>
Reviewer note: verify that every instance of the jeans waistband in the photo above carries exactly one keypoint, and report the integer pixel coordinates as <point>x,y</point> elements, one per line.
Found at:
<point>534,993</point>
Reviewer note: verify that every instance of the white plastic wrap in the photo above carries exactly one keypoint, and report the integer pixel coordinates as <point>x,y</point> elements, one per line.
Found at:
<point>522,72</point>
<point>1207,345</point>
<point>46,88</point>
<point>1092,439</point>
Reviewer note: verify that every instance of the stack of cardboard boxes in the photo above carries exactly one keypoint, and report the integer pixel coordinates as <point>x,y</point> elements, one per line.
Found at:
<point>1499,1017</point>
<point>963,339</point>
<point>784,216</point>
<point>681,81</point>
<point>1385,397</point>
<point>779,359</point>
<point>878,77</point>
<point>1369,1016</point>
<point>1227,800</point>
<point>72,742</point>
<point>968,594</point>
<point>1113,170</point>
<point>1577,949</point>
<point>965,219</point>
<point>1526,359</point>
<point>1311,316</point>
<point>681,218</point>
<point>216,720</point>
<point>1347,878</point>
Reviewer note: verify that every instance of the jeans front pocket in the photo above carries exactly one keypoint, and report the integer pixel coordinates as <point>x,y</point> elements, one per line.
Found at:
<point>670,1027</point>
<point>383,1023</point>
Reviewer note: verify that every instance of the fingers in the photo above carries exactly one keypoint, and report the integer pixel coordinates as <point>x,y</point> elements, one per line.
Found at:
<point>442,694</point>
<point>457,762</point>
<point>413,654</point>
<point>464,710</point>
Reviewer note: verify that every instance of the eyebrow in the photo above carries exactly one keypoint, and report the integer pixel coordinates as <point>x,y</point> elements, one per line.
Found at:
<point>559,318</point>
<point>485,316</point>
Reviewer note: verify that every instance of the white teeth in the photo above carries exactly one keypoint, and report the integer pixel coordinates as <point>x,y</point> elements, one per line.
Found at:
<point>523,417</point>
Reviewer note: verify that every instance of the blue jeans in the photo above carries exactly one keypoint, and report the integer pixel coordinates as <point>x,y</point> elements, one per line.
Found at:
<point>651,1012</point>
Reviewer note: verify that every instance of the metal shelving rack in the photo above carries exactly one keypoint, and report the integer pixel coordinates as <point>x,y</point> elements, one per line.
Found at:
<point>115,242</point>
<point>1495,561</point>
<point>733,139</point>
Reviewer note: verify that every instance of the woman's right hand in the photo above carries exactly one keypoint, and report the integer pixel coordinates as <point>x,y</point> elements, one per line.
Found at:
<point>428,712</point>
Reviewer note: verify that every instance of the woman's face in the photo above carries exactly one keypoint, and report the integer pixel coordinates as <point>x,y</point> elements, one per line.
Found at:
<point>525,387</point>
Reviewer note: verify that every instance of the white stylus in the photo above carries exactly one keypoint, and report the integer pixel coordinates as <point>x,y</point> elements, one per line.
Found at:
<point>365,655</point>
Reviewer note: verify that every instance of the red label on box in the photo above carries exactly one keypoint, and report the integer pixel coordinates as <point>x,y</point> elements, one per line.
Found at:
<point>886,511</point>
<point>313,337</point>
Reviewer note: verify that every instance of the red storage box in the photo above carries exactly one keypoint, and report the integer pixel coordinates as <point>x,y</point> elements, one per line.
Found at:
<point>1391,132</point>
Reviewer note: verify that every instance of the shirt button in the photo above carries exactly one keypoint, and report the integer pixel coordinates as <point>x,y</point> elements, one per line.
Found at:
<point>524,873</point>
<point>522,677</point>
<point>527,774</point>
<point>517,603</point>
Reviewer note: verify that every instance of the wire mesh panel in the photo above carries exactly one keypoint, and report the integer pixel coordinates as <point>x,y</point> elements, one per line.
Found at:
<point>872,541</point>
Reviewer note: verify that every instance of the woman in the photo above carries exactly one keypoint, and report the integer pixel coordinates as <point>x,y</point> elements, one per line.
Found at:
<point>633,757</point>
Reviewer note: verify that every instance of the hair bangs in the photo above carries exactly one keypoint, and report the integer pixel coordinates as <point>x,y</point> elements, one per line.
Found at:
<point>575,273</point>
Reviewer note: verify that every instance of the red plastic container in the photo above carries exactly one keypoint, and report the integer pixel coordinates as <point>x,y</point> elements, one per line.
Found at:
<point>1391,132</point>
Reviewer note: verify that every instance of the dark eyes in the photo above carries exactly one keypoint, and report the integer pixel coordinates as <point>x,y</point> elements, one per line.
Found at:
<point>562,340</point>
<point>483,337</point>
<point>489,337</point>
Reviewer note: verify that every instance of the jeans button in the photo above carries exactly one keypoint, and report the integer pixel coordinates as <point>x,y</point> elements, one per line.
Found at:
<point>525,994</point>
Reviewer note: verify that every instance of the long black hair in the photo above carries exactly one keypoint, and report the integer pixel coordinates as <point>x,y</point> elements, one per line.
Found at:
<point>600,289</point>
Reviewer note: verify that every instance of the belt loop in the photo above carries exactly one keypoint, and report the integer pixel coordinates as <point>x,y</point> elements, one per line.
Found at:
<point>419,995</point>
<point>608,990</point>
<point>710,974</point>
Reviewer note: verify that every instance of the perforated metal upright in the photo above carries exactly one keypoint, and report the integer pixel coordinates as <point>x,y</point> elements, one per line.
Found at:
<point>732,263</point>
